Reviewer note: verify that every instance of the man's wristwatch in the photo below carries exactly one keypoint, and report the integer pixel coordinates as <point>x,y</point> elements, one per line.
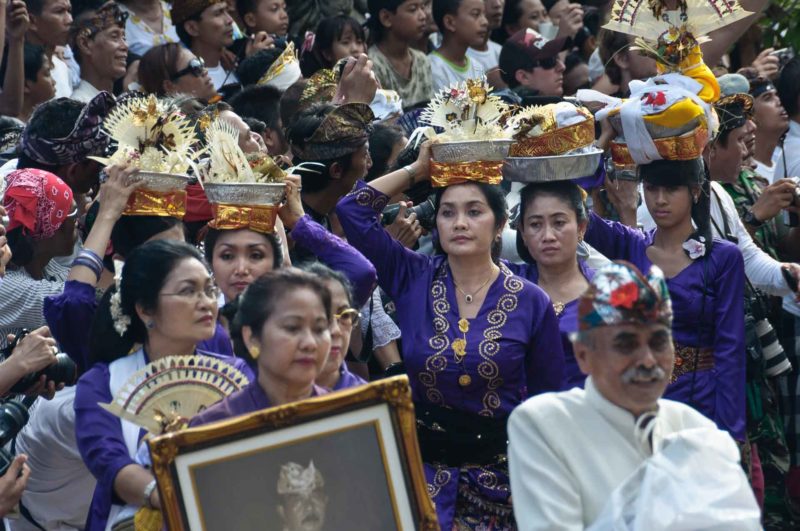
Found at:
<point>751,219</point>
<point>148,491</point>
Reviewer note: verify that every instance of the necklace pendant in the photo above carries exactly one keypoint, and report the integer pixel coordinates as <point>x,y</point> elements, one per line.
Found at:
<point>468,299</point>
<point>558,307</point>
<point>464,380</point>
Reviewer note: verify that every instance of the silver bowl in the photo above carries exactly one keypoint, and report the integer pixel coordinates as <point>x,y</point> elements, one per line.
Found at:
<point>470,150</point>
<point>256,194</point>
<point>163,182</point>
<point>556,168</point>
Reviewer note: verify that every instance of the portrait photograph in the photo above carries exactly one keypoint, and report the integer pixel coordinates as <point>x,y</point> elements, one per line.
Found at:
<point>339,471</point>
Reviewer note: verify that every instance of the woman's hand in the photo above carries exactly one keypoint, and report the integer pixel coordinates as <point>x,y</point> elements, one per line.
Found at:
<point>422,166</point>
<point>624,195</point>
<point>115,192</point>
<point>292,210</point>
<point>571,21</point>
<point>33,353</point>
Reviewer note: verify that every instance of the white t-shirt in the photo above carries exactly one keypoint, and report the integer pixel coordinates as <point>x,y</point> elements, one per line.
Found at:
<point>446,73</point>
<point>141,37</point>
<point>84,92</point>
<point>61,75</point>
<point>486,60</point>
<point>220,76</point>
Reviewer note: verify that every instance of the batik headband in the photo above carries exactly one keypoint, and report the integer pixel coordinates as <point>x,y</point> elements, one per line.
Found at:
<point>105,16</point>
<point>620,294</point>
<point>345,129</point>
<point>320,88</point>
<point>86,138</point>
<point>733,111</point>
<point>284,71</point>
<point>38,201</point>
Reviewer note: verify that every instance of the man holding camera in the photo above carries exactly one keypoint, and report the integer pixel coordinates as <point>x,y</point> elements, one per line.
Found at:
<point>35,353</point>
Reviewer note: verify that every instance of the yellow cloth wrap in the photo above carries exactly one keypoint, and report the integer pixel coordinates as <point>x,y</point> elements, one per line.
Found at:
<point>483,171</point>
<point>151,203</point>
<point>148,520</point>
<point>687,146</point>
<point>694,67</point>
<point>259,218</point>
<point>555,142</point>
<point>677,115</point>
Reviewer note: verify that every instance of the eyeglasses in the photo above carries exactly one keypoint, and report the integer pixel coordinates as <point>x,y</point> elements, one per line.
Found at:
<point>196,67</point>
<point>348,317</point>
<point>190,292</point>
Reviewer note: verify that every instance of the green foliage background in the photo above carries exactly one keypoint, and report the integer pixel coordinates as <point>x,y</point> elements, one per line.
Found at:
<point>781,24</point>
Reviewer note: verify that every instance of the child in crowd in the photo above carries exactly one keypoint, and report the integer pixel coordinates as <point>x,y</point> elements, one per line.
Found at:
<point>38,85</point>
<point>463,23</point>
<point>264,15</point>
<point>394,26</point>
<point>335,38</point>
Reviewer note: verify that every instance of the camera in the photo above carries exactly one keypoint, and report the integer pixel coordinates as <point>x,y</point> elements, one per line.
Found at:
<point>63,370</point>
<point>13,417</point>
<point>425,211</point>
<point>784,55</point>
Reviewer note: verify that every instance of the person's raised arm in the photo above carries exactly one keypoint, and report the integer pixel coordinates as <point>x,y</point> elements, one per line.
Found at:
<point>14,83</point>
<point>329,248</point>
<point>359,212</point>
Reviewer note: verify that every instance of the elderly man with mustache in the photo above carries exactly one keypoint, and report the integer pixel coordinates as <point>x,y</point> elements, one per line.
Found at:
<point>569,451</point>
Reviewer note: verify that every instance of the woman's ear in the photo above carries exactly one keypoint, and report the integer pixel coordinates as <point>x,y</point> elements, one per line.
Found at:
<point>146,316</point>
<point>248,338</point>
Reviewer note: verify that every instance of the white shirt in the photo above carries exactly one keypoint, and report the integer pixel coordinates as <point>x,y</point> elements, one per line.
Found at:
<point>791,153</point>
<point>61,75</point>
<point>141,37</point>
<point>446,73</point>
<point>568,451</point>
<point>763,271</point>
<point>60,487</point>
<point>84,92</point>
<point>218,76</point>
<point>486,60</point>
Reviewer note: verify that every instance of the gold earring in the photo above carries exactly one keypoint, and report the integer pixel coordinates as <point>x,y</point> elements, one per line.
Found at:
<point>580,238</point>
<point>696,199</point>
<point>254,352</point>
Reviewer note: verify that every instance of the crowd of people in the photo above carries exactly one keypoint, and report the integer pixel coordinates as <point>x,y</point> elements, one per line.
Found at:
<point>559,332</point>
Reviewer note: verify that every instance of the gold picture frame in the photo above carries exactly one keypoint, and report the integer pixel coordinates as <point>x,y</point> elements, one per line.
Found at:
<point>196,464</point>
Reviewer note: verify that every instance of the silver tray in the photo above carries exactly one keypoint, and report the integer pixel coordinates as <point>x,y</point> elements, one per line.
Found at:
<point>556,168</point>
<point>471,150</point>
<point>163,182</point>
<point>256,194</point>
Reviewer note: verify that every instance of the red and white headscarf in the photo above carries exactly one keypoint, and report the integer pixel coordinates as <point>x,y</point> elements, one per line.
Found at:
<point>38,201</point>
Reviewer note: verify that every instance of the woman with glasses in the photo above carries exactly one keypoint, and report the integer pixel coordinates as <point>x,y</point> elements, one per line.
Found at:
<point>172,69</point>
<point>334,374</point>
<point>164,305</point>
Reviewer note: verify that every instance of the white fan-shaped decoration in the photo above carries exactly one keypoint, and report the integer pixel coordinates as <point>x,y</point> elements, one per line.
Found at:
<point>637,17</point>
<point>170,391</point>
<point>226,163</point>
<point>152,135</point>
<point>466,111</point>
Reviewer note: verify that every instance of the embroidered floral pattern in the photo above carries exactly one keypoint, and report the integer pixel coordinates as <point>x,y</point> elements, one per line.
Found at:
<point>439,342</point>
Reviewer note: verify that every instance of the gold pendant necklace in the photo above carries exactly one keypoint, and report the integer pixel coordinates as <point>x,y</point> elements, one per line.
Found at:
<point>558,307</point>
<point>468,298</point>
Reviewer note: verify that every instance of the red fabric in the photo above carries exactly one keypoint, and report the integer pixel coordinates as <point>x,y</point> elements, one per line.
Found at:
<point>38,201</point>
<point>197,206</point>
<point>756,475</point>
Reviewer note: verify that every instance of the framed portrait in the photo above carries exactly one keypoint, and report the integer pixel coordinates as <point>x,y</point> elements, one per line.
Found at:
<point>342,461</point>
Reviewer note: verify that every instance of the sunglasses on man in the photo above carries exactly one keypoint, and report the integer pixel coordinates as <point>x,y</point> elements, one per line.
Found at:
<point>196,68</point>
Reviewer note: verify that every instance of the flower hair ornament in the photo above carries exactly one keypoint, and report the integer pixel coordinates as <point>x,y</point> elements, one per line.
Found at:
<point>118,316</point>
